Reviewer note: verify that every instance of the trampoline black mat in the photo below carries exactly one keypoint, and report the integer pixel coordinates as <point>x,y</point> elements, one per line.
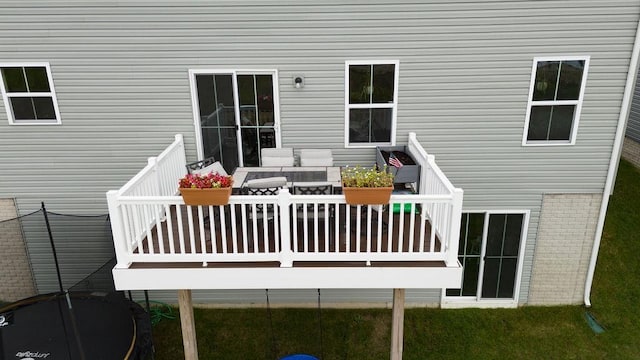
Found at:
<point>96,328</point>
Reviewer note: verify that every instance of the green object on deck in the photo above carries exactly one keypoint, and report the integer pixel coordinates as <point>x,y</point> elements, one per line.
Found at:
<point>397,208</point>
<point>404,208</point>
<point>593,324</point>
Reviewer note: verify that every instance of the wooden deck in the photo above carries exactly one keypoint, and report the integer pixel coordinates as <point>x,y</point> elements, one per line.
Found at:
<point>160,245</point>
<point>237,236</point>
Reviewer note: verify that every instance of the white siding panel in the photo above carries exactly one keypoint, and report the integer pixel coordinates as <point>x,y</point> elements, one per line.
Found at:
<point>121,75</point>
<point>360,297</point>
<point>633,124</point>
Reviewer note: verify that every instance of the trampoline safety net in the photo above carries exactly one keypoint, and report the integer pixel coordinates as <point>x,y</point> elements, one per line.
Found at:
<point>85,318</point>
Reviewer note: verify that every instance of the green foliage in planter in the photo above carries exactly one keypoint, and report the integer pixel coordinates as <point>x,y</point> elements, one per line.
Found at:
<point>366,177</point>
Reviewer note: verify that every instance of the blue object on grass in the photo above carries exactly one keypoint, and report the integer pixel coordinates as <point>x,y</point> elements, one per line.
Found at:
<point>593,324</point>
<point>299,357</point>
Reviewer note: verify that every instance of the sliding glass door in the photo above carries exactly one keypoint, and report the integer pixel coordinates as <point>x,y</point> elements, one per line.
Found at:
<point>236,115</point>
<point>490,252</point>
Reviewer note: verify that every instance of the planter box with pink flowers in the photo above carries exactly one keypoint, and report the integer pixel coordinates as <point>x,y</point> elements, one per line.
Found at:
<point>205,189</point>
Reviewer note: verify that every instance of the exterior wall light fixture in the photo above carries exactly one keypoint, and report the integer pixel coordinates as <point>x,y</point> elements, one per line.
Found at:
<point>298,81</point>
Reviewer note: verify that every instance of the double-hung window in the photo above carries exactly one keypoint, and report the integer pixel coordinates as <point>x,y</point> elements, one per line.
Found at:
<point>371,98</point>
<point>28,94</point>
<point>555,100</point>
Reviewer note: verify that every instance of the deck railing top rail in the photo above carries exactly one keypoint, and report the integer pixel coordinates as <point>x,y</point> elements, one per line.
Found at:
<point>170,163</point>
<point>428,164</point>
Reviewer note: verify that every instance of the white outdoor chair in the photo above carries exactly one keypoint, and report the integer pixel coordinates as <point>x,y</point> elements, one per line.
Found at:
<point>316,157</point>
<point>206,166</point>
<point>216,167</point>
<point>277,157</point>
<point>264,186</point>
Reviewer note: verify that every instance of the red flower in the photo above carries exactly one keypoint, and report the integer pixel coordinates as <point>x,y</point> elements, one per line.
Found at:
<point>205,181</point>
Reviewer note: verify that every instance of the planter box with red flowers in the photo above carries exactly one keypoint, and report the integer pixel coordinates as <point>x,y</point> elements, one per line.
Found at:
<point>205,189</point>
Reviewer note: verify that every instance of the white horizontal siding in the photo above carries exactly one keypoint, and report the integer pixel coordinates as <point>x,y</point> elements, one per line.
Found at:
<point>376,297</point>
<point>633,124</point>
<point>121,76</point>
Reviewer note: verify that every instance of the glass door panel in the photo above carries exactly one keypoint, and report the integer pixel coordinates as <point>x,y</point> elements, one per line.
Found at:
<point>264,92</point>
<point>501,256</point>
<point>217,118</point>
<point>250,146</point>
<point>257,118</point>
<point>471,230</point>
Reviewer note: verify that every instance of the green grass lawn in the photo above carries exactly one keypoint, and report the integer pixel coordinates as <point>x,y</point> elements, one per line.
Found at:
<point>526,333</point>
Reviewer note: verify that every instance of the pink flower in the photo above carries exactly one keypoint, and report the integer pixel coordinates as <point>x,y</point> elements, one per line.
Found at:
<point>205,181</point>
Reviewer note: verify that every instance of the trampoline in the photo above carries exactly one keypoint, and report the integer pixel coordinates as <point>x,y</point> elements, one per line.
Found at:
<point>97,327</point>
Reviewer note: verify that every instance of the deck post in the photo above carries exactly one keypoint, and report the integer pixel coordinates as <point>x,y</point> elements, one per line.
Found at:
<point>397,324</point>
<point>119,238</point>
<point>188,325</point>
<point>454,230</point>
<point>286,255</point>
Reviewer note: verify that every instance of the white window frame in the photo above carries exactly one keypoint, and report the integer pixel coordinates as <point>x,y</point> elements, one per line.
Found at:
<point>577,103</point>
<point>452,302</point>
<point>52,94</point>
<point>393,106</point>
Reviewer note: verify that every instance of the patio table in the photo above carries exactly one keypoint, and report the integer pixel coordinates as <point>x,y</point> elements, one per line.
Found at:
<point>297,175</point>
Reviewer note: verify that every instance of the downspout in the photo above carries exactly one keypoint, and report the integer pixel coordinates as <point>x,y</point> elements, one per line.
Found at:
<point>613,163</point>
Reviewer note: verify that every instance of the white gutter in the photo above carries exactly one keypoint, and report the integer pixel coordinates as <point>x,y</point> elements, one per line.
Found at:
<point>613,163</point>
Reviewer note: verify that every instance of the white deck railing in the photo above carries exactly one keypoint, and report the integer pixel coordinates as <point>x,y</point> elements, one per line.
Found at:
<point>445,217</point>
<point>158,178</point>
<point>150,222</point>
